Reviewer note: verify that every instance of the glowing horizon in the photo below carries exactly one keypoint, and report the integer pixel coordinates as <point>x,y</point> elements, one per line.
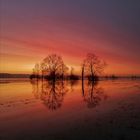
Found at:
<point>30,32</point>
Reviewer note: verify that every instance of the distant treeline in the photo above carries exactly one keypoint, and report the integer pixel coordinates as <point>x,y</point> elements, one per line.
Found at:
<point>7,75</point>
<point>120,77</point>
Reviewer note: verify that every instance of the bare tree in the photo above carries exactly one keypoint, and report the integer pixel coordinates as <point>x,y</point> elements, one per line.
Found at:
<point>92,66</point>
<point>72,71</point>
<point>72,75</point>
<point>83,69</point>
<point>35,73</point>
<point>53,66</point>
<point>37,69</point>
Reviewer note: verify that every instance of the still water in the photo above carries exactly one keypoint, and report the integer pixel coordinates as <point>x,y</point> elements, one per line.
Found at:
<point>109,109</point>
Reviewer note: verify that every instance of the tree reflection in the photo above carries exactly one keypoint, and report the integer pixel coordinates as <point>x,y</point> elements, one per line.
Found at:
<point>73,84</point>
<point>35,88</point>
<point>92,93</point>
<point>52,93</point>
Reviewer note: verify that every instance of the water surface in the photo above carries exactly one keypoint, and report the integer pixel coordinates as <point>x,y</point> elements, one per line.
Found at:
<point>108,109</point>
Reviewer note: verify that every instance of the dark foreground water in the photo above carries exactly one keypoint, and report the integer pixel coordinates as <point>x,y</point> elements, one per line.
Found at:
<point>107,110</point>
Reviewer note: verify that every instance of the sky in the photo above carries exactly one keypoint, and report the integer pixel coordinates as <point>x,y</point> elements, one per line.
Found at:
<point>32,29</point>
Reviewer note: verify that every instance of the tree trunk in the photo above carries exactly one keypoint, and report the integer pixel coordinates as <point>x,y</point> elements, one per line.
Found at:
<point>83,72</point>
<point>42,76</point>
<point>54,76</point>
<point>92,74</point>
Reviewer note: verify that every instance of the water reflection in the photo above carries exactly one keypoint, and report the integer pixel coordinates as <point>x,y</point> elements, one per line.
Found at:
<point>70,101</point>
<point>73,84</point>
<point>35,88</point>
<point>52,93</point>
<point>92,93</point>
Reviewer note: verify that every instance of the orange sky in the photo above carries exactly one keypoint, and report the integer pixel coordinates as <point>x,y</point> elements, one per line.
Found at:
<point>19,57</point>
<point>27,37</point>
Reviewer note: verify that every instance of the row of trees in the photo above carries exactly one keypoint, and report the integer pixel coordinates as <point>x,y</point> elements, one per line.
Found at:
<point>53,68</point>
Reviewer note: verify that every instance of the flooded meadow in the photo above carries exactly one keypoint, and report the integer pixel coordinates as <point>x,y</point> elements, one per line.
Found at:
<point>107,109</point>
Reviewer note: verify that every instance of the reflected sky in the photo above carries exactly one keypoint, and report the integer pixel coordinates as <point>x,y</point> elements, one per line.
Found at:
<point>32,110</point>
<point>52,94</point>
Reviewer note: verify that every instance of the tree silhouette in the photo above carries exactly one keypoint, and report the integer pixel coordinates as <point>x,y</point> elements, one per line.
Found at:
<point>92,66</point>
<point>63,71</point>
<point>83,70</point>
<point>35,73</point>
<point>53,67</point>
<point>73,76</point>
